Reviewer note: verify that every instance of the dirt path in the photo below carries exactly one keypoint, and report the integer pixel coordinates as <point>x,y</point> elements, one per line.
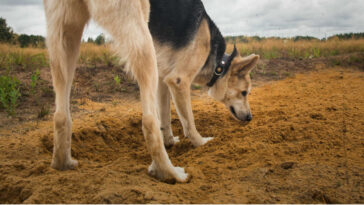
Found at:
<point>304,145</point>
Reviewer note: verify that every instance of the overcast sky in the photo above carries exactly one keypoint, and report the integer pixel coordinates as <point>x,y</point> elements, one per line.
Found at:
<point>284,18</point>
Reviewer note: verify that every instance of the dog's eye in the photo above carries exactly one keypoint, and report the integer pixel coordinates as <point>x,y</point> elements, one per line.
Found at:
<point>244,93</point>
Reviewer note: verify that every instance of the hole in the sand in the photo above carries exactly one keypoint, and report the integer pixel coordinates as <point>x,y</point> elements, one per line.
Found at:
<point>100,144</point>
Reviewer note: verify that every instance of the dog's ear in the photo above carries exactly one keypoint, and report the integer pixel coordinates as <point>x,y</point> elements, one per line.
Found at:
<point>244,65</point>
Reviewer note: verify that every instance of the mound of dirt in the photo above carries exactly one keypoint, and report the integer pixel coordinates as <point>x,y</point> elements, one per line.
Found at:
<point>304,145</point>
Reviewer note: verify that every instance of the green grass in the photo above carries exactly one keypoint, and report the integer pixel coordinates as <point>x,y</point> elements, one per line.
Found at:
<point>9,94</point>
<point>35,78</point>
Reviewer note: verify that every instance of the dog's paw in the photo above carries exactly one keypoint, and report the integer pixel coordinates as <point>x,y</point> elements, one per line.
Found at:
<point>181,175</point>
<point>67,165</point>
<point>206,139</point>
<point>170,175</point>
<point>171,141</point>
<point>202,141</point>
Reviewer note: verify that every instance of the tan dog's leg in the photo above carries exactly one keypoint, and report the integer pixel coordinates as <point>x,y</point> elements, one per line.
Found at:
<point>126,21</point>
<point>188,64</point>
<point>164,98</point>
<point>179,86</point>
<point>65,23</point>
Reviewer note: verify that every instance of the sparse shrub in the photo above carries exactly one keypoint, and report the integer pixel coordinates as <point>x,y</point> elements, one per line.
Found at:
<point>44,111</point>
<point>35,78</point>
<point>9,93</point>
<point>108,59</point>
<point>47,92</point>
<point>97,86</point>
<point>335,62</point>
<point>117,81</point>
<point>316,52</point>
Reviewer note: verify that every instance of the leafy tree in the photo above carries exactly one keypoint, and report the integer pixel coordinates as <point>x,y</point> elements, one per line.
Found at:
<point>24,40</point>
<point>37,41</point>
<point>346,36</point>
<point>90,40</point>
<point>33,40</point>
<point>100,39</point>
<point>6,33</point>
<point>309,38</point>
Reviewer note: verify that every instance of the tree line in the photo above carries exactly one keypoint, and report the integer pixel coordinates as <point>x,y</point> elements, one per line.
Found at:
<point>7,35</point>
<point>246,39</point>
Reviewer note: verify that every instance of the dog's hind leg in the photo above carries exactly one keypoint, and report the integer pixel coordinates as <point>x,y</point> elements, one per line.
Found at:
<point>164,98</point>
<point>65,23</point>
<point>126,21</point>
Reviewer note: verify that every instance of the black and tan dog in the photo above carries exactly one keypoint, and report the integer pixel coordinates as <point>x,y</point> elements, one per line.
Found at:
<point>187,47</point>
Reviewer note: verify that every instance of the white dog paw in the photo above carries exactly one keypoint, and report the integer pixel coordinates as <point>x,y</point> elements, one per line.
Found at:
<point>171,141</point>
<point>65,165</point>
<point>206,139</point>
<point>171,175</point>
<point>202,141</point>
<point>181,175</point>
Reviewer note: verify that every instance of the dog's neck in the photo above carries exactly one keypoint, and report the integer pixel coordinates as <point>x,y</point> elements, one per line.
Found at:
<point>215,70</point>
<point>204,76</point>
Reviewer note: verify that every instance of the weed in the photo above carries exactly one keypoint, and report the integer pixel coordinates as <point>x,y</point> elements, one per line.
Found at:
<point>335,62</point>
<point>44,111</point>
<point>355,59</point>
<point>97,86</point>
<point>307,55</point>
<point>47,92</point>
<point>35,78</point>
<point>114,103</point>
<point>252,74</point>
<point>261,69</point>
<point>9,93</point>
<point>286,74</point>
<point>117,80</point>
<point>195,87</point>
<point>316,52</point>
<point>272,73</point>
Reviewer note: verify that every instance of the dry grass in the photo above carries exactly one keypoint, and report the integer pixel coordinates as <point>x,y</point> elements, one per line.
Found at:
<point>92,55</point>
<point>280,48</point>
<point>27,58</point>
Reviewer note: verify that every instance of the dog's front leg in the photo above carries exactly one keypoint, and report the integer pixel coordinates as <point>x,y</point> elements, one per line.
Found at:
<point>164,103</point>
<point>181,93</point>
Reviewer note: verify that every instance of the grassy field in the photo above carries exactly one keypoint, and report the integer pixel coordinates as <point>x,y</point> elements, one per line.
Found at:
<point>32,58</point>
<point>307,49</point>
<point>92,55</point>
<point>15,60</point>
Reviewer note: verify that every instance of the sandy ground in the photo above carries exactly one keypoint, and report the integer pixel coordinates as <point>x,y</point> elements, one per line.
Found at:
<point>304,145</point>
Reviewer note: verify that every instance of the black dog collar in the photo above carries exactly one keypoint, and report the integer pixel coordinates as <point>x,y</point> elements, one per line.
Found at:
<point>223,67</point>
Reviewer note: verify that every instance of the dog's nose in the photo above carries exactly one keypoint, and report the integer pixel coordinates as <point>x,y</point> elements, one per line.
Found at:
<point>249,117</point>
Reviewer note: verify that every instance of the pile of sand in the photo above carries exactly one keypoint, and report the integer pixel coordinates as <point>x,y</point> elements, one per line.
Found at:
<point>304,145</point>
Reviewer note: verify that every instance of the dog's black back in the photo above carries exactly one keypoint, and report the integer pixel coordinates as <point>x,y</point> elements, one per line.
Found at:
<point>177,21</point>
